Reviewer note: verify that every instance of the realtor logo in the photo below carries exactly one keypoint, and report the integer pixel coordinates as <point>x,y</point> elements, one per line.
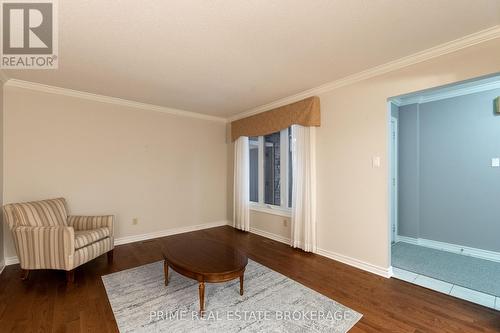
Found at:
<point>29,34</point>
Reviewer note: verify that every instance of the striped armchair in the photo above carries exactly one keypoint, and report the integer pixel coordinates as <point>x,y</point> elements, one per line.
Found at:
<point>45,236</point>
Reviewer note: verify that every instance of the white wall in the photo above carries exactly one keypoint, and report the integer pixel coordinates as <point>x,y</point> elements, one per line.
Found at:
<point>353,201</point>
<point>168,171</point>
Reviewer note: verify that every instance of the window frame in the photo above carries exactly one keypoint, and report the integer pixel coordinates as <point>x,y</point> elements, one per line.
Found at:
<point>261,206</point>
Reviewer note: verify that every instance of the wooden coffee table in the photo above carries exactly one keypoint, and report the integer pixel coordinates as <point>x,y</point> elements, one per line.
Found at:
<point>204,260</point>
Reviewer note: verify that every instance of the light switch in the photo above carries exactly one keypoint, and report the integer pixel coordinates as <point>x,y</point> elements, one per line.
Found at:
<point>495,162</point>
<point>376,162</point>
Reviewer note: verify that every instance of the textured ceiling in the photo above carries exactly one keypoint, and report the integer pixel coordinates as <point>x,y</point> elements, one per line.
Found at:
<point>224,57</point>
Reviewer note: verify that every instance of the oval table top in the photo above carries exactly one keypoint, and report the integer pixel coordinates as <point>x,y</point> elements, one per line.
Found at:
<point>204,259</point>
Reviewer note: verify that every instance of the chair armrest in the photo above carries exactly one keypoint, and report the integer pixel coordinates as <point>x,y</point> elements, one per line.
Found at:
<point>92,222</point>
<point>44,247</point>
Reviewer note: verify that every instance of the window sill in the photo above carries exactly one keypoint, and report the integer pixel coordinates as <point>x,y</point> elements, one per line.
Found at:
<point>269,209</point>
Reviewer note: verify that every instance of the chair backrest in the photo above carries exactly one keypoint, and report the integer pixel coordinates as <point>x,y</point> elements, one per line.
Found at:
<point>9,216</point>
<point>52,212</point>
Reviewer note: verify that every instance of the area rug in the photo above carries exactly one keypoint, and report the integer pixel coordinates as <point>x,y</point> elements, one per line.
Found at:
<point>465,271</point>
<point>271,303</point>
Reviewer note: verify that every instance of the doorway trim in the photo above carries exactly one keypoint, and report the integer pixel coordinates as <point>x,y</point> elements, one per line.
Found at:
<point>393,180</point>
<point>390,211</point>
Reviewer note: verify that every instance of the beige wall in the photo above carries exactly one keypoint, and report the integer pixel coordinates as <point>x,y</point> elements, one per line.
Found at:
<point>1,176</point>
<point>172,171</point>
<point>168,171</point>
<point>352,196</point>
<point>274,224</point>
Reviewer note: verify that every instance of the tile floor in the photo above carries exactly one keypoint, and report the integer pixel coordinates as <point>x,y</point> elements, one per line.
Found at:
<point>448,288</point>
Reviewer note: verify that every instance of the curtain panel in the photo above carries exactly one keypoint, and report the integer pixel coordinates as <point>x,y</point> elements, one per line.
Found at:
<point>241,195</point>
<point>304,188</point>
<point>305,113</point>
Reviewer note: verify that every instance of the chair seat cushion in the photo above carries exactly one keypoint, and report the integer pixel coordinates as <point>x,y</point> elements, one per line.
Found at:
<point>87,237</point>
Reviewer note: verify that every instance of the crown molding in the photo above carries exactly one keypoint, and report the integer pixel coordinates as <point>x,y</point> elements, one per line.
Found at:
<point>458,91</point>
<point>3,77</point>
<point>107,99</point>
<point>434,52</point>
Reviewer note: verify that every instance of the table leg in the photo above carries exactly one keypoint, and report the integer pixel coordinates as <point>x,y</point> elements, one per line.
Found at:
<point>165,269</point>
<point>201,289</point>
<point>241,284</point>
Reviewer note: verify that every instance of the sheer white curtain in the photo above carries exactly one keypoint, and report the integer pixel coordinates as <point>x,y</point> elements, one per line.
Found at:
<point>304,188</point>
<point>241,200</point>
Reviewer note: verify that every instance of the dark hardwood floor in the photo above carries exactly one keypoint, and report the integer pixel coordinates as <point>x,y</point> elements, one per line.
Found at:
<point>44,303</point>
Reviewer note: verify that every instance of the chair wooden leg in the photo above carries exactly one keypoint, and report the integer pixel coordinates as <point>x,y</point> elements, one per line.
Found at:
<point>110,257</point>
<point>24,274</point>
<point>70,276</point>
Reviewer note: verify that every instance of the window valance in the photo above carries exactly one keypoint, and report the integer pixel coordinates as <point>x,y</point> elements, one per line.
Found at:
<point>305,113</point>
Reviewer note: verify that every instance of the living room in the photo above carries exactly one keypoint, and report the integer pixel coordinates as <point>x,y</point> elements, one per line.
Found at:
<point>202,166</point>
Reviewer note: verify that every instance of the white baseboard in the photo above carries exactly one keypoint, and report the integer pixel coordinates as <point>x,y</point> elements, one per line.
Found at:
<point>11,260</point>
<point>270,235</point>
<point>381,271</point>
<point>2,266</point>
<point>409,240</point>
<point>167,232</point>
<point>454,248</point>
<point>156,234</point>
<point>385,272</point>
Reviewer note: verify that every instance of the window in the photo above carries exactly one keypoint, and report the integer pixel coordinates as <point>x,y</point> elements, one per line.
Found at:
<point>254,168</point>
<point>271,172</point>
<point>272,164</point>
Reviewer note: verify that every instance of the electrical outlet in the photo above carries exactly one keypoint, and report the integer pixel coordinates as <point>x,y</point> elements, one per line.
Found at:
<point>285,222</point>
<point>135,220</point>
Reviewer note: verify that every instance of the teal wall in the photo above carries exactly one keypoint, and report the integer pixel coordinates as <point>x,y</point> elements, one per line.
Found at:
<point>448,190</point>
<point>408,171</point>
